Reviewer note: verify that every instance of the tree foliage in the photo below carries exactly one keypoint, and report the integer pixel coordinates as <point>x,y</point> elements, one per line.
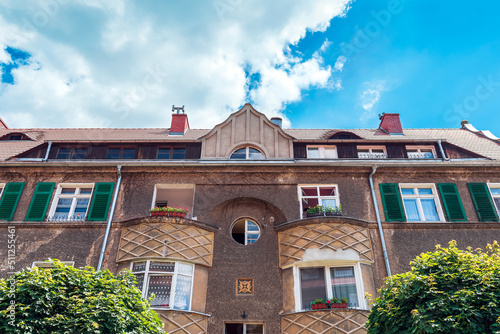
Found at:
<point>446,291</point>
<point>64,299</point>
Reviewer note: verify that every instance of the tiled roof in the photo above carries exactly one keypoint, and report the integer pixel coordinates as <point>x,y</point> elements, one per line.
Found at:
<point>460,137</point>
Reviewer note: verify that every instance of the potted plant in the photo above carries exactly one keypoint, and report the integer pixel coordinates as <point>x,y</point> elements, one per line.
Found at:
<point>334,302</point>
<point>318,304</point>
<point>343,302</point>
<point>158,211</point>
<point>324,210</point>
<point>315,211</point>
<point>333,211</point>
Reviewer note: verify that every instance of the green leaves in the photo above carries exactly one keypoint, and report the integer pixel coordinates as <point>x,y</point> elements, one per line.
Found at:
<point>446,291</point>
<point>64,299</point>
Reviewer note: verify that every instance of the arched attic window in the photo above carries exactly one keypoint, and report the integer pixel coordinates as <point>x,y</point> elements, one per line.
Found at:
<point>344,135</point>
<point>15,136</point>
<point>248,152</point>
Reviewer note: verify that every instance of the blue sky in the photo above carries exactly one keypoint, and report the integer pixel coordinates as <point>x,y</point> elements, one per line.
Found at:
<point>318,64</point>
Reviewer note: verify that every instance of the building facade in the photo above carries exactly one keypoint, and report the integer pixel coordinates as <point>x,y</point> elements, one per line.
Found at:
<point>276,218</point>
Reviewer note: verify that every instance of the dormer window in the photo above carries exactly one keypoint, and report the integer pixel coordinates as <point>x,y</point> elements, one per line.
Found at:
<point>421,152</point>
<point>77,153</point>
<point>248,153</point>
<point>15,136</point>
<point>322,152</point>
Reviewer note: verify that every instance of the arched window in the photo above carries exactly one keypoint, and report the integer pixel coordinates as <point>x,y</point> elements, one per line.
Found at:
<point>247,153</point>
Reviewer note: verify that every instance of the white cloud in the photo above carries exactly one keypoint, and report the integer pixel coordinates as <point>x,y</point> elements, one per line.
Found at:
<point>370,96</point>
<point>339,64</point>
<point>123,64</point>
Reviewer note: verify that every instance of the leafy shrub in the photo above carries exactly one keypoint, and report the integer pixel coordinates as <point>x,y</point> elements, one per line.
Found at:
<point>446,291</point>
<point>64,299</point>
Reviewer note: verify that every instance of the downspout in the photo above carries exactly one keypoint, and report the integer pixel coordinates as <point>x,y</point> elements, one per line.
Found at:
<point>442,150</point>
<point>48,151</point>
<point>379,223</point>
<point>110,217</point>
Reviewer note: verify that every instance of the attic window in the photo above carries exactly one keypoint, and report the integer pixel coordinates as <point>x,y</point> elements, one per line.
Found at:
<point>15,136</point>
<point>345,135</point>
<point>248,153</point>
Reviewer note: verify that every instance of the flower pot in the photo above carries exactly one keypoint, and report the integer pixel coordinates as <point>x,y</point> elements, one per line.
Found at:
<point>316,214</point>
<point>183,215</point>
<point>333,213</point>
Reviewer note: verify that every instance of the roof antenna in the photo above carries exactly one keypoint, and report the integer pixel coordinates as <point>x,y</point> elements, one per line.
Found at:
<point>177,109</point>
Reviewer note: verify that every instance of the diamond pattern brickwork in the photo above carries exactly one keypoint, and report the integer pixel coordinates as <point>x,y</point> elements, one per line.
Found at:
<point>168,239</point>
<point>325,322</point>
<point>326,235</point>
<point>177,322</point>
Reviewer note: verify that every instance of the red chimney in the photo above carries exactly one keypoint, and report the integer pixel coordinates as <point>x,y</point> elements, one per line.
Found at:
<point>390,124</point>
<point>180,122</point>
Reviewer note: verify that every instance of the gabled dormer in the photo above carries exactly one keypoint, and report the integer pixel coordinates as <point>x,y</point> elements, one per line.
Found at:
<point>244,132</point>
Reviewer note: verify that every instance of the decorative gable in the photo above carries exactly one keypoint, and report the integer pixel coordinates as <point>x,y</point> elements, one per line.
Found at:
<point>247,127</point>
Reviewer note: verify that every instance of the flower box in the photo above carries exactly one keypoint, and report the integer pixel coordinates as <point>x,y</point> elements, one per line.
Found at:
<point>319,306</point>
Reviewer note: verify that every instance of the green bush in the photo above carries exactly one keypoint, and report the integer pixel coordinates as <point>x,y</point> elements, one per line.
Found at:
<point>64,299</point>
<point>446,291</point>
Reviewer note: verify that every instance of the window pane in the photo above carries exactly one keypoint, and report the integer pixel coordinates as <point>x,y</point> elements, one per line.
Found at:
<point>85,191</point>
<point>329,202</point>
<point>164,267</point>
<point>234,329</point>
<point>63,207</point>
<point>163,153</point>
<point>329,191</point>
<point>429,208</point>
<point>255,154</point>
<point>139,266</point>
<point>63,153</point>
<point>312,285</point>
<point>160,286</point>
<point>179,153</point>
<point>408,191</point>
<point>495,191</point>
<point>330,153</point>
<point>140,281</point>
<point>182,292</point>
<point>79,153</point>
<point>81,208</point>
<point>251,226</point>
<point>255,329</point>
<point>496,200</point>
<point>68,190</point>
<point>128,153</point>
<point>239,154</point>
<point>427,154</point>
<point>113,153</point>
<point>251,238</point>
<point>312,152</point>
<point>425,191</point>
<point>411,210</point>
<point>185,269</point>
<point>309,191</point>
<point>344,285</point>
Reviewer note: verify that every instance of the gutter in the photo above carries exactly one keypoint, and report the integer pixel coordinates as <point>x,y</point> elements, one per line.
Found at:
<point>110,217</point>
<point>379,223</point>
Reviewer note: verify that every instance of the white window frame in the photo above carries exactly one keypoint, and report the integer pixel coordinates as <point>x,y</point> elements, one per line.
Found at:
<point>74,197</point>
<point>372,155</point>
<point>419,149</point>
<point>245,326</point>
<point>358,276</point>
<point>434,195</point>
<point>148,273</point>
<point>321,151</point>
<point>320,198</point>
<point>2,187</point>
<point>44,264</point>
<point>493,196</point>
<point>174,186</point>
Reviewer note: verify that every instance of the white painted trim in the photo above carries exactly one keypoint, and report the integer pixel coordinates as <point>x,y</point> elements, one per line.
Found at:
<point>2,187</point>
<point>419,148</point>
<point>437,200</point>
<point>370,148</point>
<point>493,196</point>
<point>321,151</point>
<point>320,202</point>
<point>43,264</point>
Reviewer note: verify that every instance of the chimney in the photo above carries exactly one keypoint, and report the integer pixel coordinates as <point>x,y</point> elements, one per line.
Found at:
<point>180,122</point>
<point>390,124</point>
<point>277,120</point>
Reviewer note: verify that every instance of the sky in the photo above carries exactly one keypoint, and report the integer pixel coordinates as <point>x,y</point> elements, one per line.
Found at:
<point>315,63</point>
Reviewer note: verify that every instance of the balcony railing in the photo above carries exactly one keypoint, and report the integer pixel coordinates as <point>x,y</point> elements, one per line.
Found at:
<point>368,155</point>
<point>420,155</point>
<point>65,218</point>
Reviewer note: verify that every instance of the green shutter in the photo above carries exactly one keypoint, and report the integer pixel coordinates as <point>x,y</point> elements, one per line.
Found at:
<point>100,201</point>
<point>9,200</point>
<point>393,207</point>
<point>40,201</point>
<point>483,203</point>
<point>453,207</point>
